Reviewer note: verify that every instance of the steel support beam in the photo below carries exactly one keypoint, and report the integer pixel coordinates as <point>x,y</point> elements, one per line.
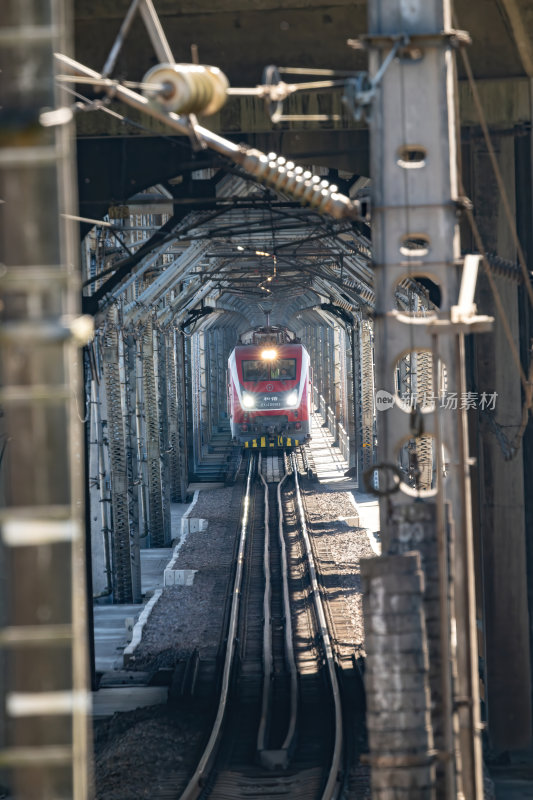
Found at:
<point>213,382</point>
<point>99,483</point>
<point>156,512</point>
<point>129,355</point>
<point>120,527</point>
<point>337,388</point>
<point>183,430</point>
<point>352,400</point>
<point>172,408</point>
<point>365,381</point>
<point>183,390</point>
<point>164,443</point>
<point>140,425</point>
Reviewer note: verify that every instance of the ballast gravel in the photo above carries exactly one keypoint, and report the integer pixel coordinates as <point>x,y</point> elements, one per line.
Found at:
<point>333,521</point>
<point>188,618</point>
<point>133,749</point>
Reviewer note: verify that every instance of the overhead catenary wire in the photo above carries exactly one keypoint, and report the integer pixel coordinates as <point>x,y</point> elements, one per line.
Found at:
<point>497,174</point>
<point>270,169</point>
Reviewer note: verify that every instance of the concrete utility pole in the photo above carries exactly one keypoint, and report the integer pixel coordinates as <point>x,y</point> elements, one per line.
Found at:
<point>44,687</point>
<point>415,235</point>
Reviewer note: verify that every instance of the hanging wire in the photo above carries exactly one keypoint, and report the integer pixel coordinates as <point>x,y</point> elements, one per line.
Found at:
<point>497,173</point>
<point>527,382</point>
<point>102,105</point>
<point>509,449</point>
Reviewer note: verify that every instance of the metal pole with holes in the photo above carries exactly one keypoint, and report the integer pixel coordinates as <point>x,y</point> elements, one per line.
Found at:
<point>415,235</point>
<point>44,744</point>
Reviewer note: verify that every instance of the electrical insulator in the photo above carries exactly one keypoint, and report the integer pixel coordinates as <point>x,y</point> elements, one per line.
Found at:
<point>294,181</point>
<point>186,88</point>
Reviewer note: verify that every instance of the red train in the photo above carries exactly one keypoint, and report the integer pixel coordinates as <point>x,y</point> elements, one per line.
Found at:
<point>269,389</point>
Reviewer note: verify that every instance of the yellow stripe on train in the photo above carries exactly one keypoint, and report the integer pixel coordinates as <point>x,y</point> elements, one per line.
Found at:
<point>280,442</point>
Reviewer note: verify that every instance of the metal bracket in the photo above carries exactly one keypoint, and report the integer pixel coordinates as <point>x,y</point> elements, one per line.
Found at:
<point>274,91</point>
<point>360,91</point>
<point>198,143</point>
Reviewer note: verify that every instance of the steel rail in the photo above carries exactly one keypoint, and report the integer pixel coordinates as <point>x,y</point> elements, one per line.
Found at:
<point>267,626</point>
<point>197,781</point>
<point>333,786</point>
<point>289,640</point>
<point>266,702</point>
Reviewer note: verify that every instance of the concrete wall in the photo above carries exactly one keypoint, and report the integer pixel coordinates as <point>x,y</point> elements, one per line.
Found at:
<point>500,508</point>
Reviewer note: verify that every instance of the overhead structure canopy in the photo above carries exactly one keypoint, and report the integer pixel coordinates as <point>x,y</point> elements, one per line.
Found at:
<point>232,242</point>
<point>253,250</point>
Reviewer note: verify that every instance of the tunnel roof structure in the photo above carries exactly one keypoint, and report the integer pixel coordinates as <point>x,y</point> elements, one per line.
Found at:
<point>232,242</point>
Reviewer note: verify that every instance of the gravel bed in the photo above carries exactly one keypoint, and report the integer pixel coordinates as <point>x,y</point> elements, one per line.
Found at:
<point>330,516</point>
<point>134,751</point>
<point>190,617</point>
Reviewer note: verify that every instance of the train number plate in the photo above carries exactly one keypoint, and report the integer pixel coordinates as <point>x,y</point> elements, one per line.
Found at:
<point>269,401</point>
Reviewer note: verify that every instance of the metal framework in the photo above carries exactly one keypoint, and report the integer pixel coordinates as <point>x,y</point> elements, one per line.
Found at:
<point>366,395</point>
<point>158,534</point>
<point>120,526</point>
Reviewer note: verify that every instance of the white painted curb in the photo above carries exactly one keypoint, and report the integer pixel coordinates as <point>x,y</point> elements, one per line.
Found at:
<point>149,607</point>
<point>139,625</point>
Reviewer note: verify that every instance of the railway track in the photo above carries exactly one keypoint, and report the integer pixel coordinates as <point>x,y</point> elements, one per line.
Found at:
<point>278,726</point>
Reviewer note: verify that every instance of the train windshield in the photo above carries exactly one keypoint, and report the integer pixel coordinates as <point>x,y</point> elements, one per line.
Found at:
<point>259,370</point>
<point>283,369</point>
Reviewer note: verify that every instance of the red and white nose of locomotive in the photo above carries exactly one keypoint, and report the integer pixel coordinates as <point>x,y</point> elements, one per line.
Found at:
<point>269,381</point>
<point>269,395</point>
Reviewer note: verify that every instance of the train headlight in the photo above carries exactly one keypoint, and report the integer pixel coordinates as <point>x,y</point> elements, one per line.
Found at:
<point>269,355</point>
<point>248,400</point>
<point>292,399</point>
